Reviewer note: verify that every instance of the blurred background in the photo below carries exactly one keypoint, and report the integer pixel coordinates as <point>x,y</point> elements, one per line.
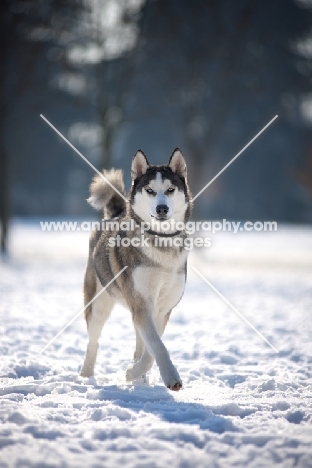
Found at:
<point>117,75</point>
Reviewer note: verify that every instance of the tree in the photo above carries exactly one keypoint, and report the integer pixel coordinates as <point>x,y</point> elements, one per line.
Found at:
<point>220,70</point>
<point>77,54</point>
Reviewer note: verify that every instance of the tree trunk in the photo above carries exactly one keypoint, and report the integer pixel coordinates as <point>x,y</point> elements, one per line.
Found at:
<point>4,197</point>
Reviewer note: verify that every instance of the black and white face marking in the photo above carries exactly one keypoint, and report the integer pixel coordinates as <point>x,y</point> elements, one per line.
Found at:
<point>159,192</point>
<point>160,198</point>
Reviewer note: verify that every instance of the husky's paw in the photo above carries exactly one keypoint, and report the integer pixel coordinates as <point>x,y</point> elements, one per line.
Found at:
<point>140,367</point>
<point>133,376</point>
<point>130,375</point>
<point>172,379</point>
<point>86,374</point>
<point>176,387</point>
<point>134,373</point>
<point>87,371</point>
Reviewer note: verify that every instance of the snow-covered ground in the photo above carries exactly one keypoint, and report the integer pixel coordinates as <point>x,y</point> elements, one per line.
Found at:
<point>242,404</point>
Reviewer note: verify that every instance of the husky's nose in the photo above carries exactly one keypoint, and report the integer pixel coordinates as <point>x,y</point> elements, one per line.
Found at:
<point>162,210</point>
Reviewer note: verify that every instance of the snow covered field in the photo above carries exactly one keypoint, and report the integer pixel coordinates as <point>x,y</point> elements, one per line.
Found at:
<point>242,404</point>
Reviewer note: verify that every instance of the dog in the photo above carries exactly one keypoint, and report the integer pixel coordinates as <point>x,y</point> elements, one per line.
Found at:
<point>154,279</point>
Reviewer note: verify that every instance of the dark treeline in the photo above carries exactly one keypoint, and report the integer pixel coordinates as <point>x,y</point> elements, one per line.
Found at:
<point>116,76</point>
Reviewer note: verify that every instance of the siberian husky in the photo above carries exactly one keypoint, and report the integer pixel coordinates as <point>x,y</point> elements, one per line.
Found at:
<point>154,280</point>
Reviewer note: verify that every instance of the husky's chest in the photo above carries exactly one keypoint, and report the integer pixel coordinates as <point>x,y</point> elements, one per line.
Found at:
<point>163,277</point>
<point>158,286</point>
<point>167,258</point>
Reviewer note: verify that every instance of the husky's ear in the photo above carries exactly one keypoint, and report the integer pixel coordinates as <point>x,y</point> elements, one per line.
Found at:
<point>177,163</point>
<point>139,164</point>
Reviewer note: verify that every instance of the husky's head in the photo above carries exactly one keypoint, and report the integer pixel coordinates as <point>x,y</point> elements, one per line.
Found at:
<point>160,193</point>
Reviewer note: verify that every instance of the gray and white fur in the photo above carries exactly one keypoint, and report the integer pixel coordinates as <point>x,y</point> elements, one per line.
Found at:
<point>154,281</point>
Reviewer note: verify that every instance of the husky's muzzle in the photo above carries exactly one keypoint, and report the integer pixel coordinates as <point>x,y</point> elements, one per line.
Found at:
<point>162,211</point>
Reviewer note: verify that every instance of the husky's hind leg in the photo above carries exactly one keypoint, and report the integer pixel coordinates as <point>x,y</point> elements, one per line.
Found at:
<point>96,316</point>
<point>139,346</point>
<point>143,361</point>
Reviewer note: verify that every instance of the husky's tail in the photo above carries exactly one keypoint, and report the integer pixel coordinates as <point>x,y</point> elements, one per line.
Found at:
<point>104,197</point>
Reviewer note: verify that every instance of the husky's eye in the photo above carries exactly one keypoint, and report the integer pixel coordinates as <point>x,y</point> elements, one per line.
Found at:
<point>170,189</point>
<point>149,190</point>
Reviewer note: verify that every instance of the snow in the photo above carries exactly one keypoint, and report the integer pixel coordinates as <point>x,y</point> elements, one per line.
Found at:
<point>241,404</point>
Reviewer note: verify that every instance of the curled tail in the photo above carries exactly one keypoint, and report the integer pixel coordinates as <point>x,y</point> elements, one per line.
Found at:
<point>104,197</point>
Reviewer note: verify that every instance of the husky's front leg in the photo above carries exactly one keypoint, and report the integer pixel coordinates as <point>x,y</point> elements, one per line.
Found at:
<point>154,349</point>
